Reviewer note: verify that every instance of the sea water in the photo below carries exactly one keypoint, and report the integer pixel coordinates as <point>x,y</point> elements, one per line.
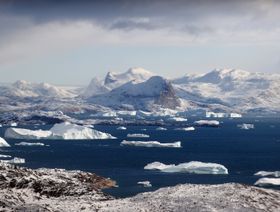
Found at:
<point>243,152</point>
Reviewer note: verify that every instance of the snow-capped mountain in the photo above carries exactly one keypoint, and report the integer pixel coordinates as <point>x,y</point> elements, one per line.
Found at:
<point>140,95</point>
<point>114,80</point>
<point>232,88</point>
<point>23,89</point>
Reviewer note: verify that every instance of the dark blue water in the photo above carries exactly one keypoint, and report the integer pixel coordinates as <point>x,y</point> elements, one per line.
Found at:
<point>243,152</point>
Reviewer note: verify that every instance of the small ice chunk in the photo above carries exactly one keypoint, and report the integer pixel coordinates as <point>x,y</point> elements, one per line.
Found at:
<point>209,123</point>
<point>121,128</point>
<point>178,119</point>
<point>137,135</point>
<point>29,144</point>
<point>268,182</point>
<point>161,128</point>
<point>246,126</point>
<point>151,144</point>
<point>265,173</point>
<point>145,183</point>
<point>194,167</point>
<point>13,124</point>
<point>186,129</point>
<point>3,143</point>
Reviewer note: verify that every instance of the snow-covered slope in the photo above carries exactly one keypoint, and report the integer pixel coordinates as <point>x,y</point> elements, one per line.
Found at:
<point>25,89</point>
<point>230,88</point>
<point>154,91</point>
<point>95,87</point>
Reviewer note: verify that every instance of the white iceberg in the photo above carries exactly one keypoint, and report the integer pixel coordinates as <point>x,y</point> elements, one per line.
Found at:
<point>3,143</point>
<point>29,144</point>
<point>235,115</point>
<point>137,135</point>
<point>151,144</point>
<point>121,128</point>
<point>177,119</point>
<point>5,156</point>
<point>186,129</point>
<point>246,126</point>
<point>66,131</point>
<point>145,183</point>
<point>194,167</point>
<point>210,114</point>
<point>161,128</point>
<point>210,123</point>
<point>265,173</point>
<point>13,124</point>
<point>268,182</point>
<point>1,125</point>
<point>15,160</point>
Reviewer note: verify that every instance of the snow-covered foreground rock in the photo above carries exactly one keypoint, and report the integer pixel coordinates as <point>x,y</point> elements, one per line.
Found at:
<point>3,143</point>
<point>66,131</point>
<point>24,189</point>
<point>194,167</point>
<point>151,144</point>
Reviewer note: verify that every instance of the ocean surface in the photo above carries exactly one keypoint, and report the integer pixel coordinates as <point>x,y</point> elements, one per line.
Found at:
<point>243,152</point>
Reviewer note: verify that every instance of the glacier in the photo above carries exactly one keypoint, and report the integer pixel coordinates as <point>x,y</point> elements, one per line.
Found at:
<point>65,131</point>
<point>194,167</point>
<point>151,144</point>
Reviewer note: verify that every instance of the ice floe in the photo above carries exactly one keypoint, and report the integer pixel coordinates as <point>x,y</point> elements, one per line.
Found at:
<point>161,128</point>
<point>65,130</point>
<point>265,173</point>
<point>246,126</point>
<point>151,144</point>
<point>121,128</point>
<point>137,135</point>
<point>3,143</point>
<point>145,183</point>
<point>5,156</point>
<point>210,123</point>
<point>268,182</point>
<point>29,144</point>
<point>186,129</point>
<point>195,167</point>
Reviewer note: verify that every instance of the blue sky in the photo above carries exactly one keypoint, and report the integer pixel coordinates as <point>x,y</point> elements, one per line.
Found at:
<point>69,42</point>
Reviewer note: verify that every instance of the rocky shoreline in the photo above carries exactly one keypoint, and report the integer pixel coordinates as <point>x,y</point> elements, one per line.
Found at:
<point>24,189</point>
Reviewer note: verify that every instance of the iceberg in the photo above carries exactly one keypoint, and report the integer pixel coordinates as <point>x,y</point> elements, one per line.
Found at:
<point>1,125</point>
<point>215,115</point>
<point>235,115</point>
<point>29,144</point>
<point>65,131</point>
<point>265,173</point>
<point>3,143</point>
<point>209,123</point>
<point>186,129</point>
<point>194,167</point>
<point>121,128</point>
<point>136,135</point>
<point>246,126</point>
<point>177,119</point>
<point>13,124</point>
<point>145,183</point>
<point>161,128</point>
<point>5,156</point>
<point>15,160</point>
<point>268,182</point>
<point>151,144</point>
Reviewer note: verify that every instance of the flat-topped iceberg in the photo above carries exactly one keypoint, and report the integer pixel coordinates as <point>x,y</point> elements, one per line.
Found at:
<point>194,167</point>
<point>3,143</point>
<point>265,173</point>
<point>246,126</point>
<point>65,131</point>
<point>137,135</point>
<point>268,182</point>
<point>186,129</point>
<point>29,144</point>
<point>209,123</point>
<point>178,119</point>
<point>151,144</point>
<point>15,160</point>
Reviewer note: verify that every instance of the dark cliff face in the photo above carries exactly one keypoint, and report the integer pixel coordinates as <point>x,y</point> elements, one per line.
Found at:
<point>167,97</point>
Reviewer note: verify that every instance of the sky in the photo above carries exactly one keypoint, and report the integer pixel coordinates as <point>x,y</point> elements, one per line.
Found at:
<point>70,42</point>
